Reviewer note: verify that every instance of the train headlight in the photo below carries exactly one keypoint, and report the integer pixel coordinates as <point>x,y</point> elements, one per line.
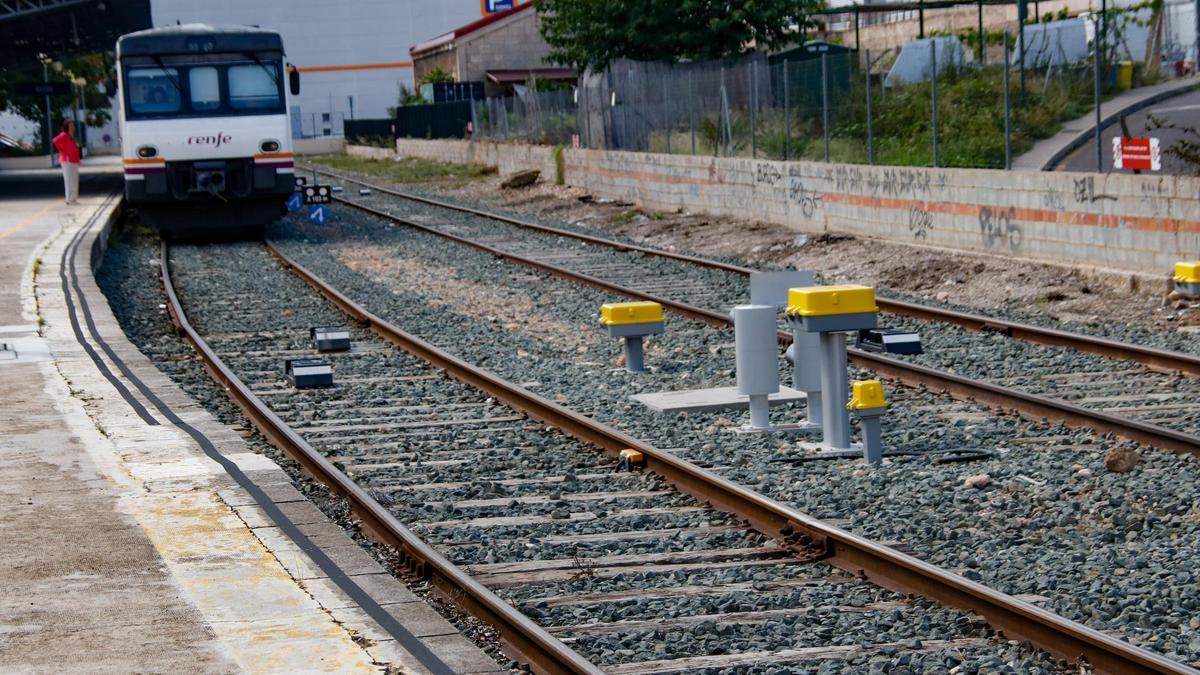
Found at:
<point>269,146</point>
<point>147,151</point>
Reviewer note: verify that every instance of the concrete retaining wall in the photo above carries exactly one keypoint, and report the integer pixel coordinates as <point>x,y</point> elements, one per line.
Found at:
<point>1122,222</point>
<point>322,145</point>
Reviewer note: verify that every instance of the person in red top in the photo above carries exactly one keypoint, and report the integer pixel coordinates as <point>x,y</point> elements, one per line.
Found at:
<point>68,157</point>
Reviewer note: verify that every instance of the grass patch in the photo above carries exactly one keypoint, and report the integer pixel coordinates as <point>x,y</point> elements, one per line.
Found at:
<point>623,217</point>
<point>408,169</point>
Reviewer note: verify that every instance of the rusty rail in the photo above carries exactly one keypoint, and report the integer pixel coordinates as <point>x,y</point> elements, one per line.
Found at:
<point>1158,359</point>
<point>793,529</point>
<point>526,641</point>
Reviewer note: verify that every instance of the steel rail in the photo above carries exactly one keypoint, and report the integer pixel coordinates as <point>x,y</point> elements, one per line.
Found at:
<point>793,529</point>
<point>1032,405</point>
<point>526,640</point>
<point>1158,359</point>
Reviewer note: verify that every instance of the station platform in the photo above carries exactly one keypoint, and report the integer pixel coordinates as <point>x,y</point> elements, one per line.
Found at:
<point>140,534</point>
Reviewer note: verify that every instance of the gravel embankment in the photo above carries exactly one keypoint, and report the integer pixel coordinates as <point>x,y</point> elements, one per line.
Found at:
<point>1111,550</point>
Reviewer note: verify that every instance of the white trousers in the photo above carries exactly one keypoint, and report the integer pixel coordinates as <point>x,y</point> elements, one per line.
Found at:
<point>71,180</point>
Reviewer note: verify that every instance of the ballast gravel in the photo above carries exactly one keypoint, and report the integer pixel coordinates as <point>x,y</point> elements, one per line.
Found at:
<point>1112,551</point>
<point>128,279</point>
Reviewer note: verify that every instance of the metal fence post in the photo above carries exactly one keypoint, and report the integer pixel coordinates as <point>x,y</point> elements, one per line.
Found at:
<point>825,99</point>
<point>933,97</point>
<point>728,127</point>
<point>982,36</point>
<point>753,110</point>
<point>1096,96</point>
<point>692,108</point>
<point>1021,10</point>
<point>870,124</point>
<point>1007,109</point>
<point>787,115</point>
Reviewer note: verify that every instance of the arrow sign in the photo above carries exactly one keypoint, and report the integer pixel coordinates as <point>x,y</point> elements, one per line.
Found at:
<point>318,214</point>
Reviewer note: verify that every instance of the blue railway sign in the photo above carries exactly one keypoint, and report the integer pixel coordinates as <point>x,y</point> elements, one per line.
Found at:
<point>295,202</point>
<point>318,214</point>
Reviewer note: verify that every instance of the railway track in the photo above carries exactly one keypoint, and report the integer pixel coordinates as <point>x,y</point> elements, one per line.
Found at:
<point>501,511</point>
<point>1152,402</point>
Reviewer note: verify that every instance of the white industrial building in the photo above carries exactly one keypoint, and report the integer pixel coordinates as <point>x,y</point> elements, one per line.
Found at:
<point>350,54</point>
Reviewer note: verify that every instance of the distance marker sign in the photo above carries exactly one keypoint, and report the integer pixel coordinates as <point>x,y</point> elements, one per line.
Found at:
<point>1139,154</point>
<point>317,194</point>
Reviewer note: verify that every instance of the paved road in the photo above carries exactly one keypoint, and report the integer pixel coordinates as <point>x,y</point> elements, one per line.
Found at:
<point>1183,110</point>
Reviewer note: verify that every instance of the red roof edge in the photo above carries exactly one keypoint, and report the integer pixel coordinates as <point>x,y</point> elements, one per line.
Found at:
<point>461,31</point>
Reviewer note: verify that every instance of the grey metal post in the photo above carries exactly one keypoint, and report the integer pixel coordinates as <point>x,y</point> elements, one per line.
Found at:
<point>835,419</point>
<point>982,37</point>
<point>753,110</point>
<point>49,123</point>
<point>787,115</point>
<point>872,437</point>
<point>825,99</point>
<point>692,108</point>
<point>1007,110</point>
<point>1103,30</point>
<point>1021,47</point>
<point>933,97</point>
<point>870,123</point>
<point>805,353</point>
<point>634,355</point>
<point>1096,97</point>
<point>728,122</point>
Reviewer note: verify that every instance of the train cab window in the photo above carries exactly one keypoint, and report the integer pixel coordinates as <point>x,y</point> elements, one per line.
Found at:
<point>204,88</point>
<point>154,90</point>
<point>254,87</point>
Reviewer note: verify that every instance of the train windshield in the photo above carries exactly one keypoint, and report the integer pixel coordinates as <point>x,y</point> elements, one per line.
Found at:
<point>204,90</point>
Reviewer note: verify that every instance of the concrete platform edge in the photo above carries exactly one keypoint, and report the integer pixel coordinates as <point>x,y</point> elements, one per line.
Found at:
<point>259,594</point>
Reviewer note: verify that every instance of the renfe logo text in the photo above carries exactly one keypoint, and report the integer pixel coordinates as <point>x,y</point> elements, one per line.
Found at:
<point>216,140</point>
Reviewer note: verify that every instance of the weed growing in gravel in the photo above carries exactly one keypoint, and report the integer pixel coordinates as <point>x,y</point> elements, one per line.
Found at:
<point>623,217</point>
<point>408,169</point>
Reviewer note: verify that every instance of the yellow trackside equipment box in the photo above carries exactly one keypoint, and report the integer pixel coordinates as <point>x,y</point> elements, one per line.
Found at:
<point>622,313</point>
<point>1187,272</point>
<point>831,300</point>
<point>867,394</point>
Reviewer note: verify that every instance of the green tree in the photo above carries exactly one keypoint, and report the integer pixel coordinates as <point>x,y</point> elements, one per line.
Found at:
<point>437,76</point>
<point>88,71</point>
<point>586,33</point>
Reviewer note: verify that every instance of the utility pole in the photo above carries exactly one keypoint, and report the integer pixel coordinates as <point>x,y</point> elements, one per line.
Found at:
<point>49,124</point>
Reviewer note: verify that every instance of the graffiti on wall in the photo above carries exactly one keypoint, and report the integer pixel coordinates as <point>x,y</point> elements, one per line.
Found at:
<point>920,222</point>
<point>998,227</point>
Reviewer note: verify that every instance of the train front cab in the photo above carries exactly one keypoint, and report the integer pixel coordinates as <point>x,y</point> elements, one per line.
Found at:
<point>206,135</point>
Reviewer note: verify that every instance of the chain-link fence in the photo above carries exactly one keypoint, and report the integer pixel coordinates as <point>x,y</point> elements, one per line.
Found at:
<point>969,99</point>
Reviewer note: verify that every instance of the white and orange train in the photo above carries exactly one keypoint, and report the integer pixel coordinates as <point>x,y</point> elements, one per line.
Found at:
<point>206,137</point>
